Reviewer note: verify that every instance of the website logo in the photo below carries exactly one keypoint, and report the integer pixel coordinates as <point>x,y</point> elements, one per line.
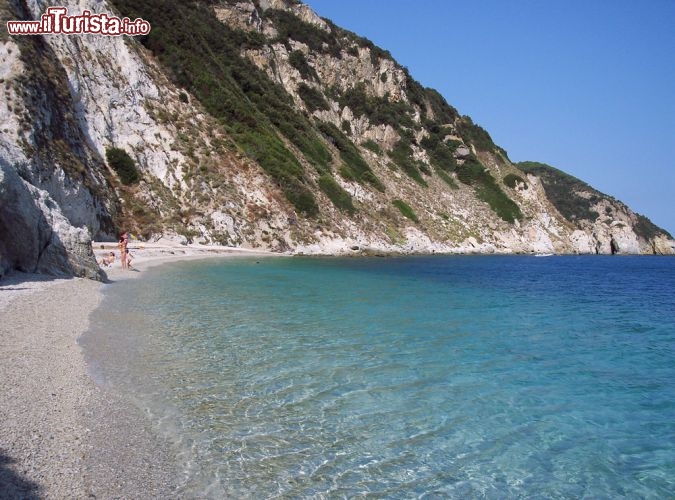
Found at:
<point>56,21</point>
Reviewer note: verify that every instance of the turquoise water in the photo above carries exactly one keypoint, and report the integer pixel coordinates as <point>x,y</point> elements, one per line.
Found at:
<point>419,377</point>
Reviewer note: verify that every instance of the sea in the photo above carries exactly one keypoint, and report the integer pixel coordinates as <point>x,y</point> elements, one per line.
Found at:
<point>404,377</point>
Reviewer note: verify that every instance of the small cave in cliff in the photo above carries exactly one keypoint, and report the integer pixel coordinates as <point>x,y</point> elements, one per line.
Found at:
<point>614,246</point>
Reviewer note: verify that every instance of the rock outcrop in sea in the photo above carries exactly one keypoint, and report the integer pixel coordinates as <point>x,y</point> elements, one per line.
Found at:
<point>267,127</point>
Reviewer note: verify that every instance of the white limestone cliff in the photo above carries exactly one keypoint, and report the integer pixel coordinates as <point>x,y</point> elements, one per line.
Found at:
<point>80,95</point>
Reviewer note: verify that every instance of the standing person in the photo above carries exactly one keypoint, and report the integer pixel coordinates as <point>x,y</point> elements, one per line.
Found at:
<point>122,244</point>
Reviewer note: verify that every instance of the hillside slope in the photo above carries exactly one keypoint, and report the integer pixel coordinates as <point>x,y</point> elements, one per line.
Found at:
<point>259,124</point>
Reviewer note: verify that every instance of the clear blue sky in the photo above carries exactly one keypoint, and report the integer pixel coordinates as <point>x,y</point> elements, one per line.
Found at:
<point>587,86</point>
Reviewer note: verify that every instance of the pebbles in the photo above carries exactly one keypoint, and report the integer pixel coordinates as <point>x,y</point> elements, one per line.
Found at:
<point>61,435</point>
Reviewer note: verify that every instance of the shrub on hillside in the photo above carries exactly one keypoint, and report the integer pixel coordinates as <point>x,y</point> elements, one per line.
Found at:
<point>120,161</point>
<point>340,198</point>
<point>402,156</point>
<point>379,110</point>
<point>291,27</point>
<point>440,152</point>
<point>487,189</point>
<point>475,134</point>
<point>406,210</point>
<point>562,188</point>
<point>442,112</point>
<point>298,61</point>
<point>647,229</point>
<point>512,180</point>
<point>312,98</point>
<point>373,146</point>
<point>355,167</point>
<point>204,57</point>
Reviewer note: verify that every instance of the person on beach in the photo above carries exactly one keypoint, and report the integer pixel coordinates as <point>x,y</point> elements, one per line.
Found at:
<point>123,246</point>
<point>107,260</point>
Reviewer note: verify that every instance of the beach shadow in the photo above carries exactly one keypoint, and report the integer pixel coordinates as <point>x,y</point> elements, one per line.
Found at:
<point>20,281</point>
<point>12,485</point>
<point>118,276</point>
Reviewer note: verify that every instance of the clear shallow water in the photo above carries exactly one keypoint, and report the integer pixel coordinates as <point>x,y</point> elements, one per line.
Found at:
<point>429,377</point>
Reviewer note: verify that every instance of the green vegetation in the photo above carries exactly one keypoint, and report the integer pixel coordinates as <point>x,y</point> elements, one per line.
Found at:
<point>440,152</point>
<point>379,110</point>
<point>406,210</point>
<point>302,199</point>
<point>647,229</point>
<point>447,179</point>
<point>438,107</point>
<point>512,180</point>
<point>346,127</point>
<point>415,91</point>
<point>561,189</point>
<point>352,50</point>
<point>203,56</point>
<point>394,236</point>
<point>355,167</point>
<point>120,161</point>
<point>487,189</point>
<point>290,26</point>
<point>298,61</point>
<point>340,198</point>
<point>373,146</point>
<point>475,134</point>
<point>376,52</point>
<point>312,98</point>
<point>401,155</point>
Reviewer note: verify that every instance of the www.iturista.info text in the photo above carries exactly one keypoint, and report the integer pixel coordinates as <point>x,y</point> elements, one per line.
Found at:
<point>57,21</point>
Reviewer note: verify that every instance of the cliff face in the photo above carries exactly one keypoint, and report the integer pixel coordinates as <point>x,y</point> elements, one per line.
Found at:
<point>259,124</point>
<point>52,197</point>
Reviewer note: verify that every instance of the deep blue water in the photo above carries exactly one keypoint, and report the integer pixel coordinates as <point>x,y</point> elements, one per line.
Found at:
<point>417,377</point>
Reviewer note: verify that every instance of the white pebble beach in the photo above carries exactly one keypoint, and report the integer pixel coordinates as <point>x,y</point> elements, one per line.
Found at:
<point>62,436</point>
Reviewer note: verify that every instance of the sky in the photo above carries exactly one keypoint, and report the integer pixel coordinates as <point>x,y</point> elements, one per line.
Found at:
<point>586,86</point>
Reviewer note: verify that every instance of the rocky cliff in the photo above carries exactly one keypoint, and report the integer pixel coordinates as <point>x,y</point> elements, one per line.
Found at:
<point>259,124</point>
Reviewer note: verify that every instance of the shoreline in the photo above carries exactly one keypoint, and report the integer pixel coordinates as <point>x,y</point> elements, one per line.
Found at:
<point>63,436</point>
